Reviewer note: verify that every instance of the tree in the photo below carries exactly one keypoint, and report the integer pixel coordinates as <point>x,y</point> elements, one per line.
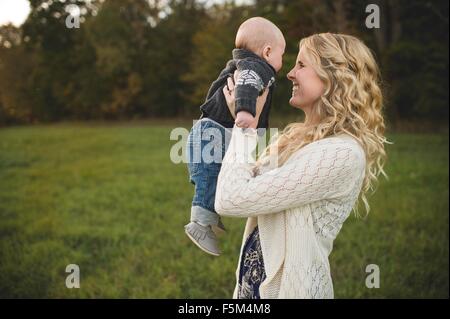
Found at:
<point>212,46</point>
<point>15,66</point>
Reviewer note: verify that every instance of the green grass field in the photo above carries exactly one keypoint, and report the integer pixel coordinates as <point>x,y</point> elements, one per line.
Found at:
<point>108,198</point>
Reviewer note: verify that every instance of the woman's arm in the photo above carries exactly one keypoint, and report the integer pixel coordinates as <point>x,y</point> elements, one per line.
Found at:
<point>322,170</point>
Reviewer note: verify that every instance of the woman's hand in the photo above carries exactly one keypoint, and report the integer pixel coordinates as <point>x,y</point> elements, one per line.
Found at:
<point>228,92</point>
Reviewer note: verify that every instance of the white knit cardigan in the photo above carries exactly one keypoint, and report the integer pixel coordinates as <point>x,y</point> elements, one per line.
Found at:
<point>299,207</point>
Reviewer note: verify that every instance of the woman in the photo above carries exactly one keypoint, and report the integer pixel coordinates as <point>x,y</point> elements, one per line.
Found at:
<point>297,206</point>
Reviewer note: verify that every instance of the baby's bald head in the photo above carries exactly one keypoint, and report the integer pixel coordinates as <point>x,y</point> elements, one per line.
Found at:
<point>257,32</point>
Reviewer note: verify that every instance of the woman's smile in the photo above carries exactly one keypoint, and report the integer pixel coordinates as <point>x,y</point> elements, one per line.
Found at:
<point>295,88</point>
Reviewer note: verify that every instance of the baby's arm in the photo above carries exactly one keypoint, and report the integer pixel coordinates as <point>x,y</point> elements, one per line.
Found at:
<point>242,118</point>
<point>229,93</point>
<point>248,87</point>
<point>253,78</point>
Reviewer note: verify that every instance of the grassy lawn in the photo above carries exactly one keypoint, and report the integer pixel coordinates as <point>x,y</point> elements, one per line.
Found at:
<point>108,198</point>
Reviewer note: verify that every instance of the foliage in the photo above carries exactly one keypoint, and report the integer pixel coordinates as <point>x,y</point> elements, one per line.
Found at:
<point>140,59</point>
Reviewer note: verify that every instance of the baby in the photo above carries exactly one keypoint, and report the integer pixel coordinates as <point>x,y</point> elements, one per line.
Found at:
<point>257,57</point>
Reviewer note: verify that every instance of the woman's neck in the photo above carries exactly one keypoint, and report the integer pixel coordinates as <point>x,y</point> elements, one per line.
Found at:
<point>310,121</point>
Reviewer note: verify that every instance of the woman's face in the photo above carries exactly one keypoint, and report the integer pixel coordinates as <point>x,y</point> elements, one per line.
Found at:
<point>307,86</point>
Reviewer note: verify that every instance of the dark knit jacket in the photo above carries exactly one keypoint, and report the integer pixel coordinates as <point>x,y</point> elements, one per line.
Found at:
<point>255,75</point>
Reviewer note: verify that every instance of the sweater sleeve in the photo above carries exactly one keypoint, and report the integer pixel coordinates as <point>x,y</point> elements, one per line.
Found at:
<point>252,80</point>
<point>322,170</point>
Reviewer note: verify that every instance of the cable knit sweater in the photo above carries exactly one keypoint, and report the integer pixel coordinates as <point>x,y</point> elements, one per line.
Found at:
<point>299,208</point>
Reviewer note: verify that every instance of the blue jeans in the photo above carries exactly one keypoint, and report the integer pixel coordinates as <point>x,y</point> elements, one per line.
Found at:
<point>206,146</point>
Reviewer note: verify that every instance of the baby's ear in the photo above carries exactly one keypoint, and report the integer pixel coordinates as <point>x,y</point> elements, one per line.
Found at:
<point>267,51</point>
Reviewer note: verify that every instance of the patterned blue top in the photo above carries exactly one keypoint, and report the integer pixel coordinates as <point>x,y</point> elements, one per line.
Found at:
<point>251,272</point>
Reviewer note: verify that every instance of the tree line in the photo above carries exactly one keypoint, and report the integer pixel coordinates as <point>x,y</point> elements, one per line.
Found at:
<point>151,59</point>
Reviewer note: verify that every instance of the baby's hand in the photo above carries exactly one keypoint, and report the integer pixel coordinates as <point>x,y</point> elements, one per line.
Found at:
<point>244,119</point>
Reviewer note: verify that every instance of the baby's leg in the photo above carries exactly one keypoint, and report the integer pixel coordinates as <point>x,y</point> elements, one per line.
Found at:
<point>203,174</point>
<point>205,178</point>
<point>203,216</point>
<point>207,145</point>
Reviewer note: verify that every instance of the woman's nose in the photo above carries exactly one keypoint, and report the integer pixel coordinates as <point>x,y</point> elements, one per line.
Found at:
<point>290,75</point>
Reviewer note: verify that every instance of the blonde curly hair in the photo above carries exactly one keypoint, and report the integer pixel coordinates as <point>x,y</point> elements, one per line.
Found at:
<point>352,103</point>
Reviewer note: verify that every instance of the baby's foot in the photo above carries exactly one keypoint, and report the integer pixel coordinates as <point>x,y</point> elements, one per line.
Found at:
<point>203,237</point>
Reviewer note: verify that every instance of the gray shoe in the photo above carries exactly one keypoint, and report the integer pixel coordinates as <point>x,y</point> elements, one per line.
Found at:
<point>219,229</point>
<point>203,237</point>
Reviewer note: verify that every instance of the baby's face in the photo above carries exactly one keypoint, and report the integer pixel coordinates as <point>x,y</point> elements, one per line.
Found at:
<point>275,56</point>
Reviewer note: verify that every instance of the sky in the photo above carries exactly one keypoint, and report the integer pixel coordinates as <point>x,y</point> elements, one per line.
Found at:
<point>16,11</point>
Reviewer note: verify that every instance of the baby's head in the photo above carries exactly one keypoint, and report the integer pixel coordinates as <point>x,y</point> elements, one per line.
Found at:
<point>263,38</point>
